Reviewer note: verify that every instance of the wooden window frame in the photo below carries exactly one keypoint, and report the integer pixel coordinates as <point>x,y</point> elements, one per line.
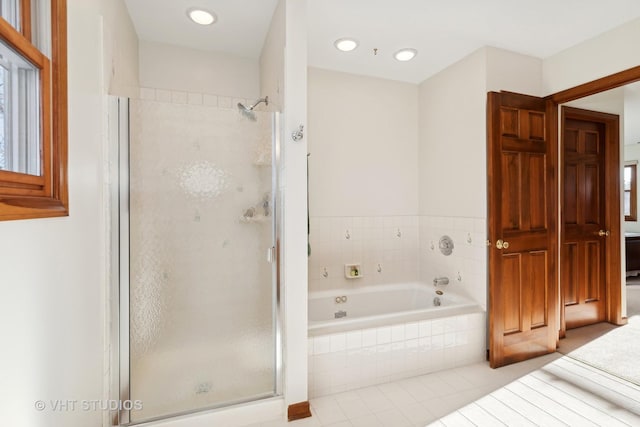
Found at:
<point>633,193</point>
<point>24,196</point>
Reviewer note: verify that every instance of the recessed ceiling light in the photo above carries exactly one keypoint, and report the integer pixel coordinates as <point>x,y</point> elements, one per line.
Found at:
<point>201,16</point>
<point>405,54</point>
<point>346,45</point>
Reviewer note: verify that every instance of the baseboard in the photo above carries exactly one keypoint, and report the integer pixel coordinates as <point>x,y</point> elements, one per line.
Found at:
<point>297,411</point>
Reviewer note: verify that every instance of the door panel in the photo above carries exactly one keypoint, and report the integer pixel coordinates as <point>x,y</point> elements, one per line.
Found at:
<point>512,272</point>
<point>592,212</point>
<point>537,185</point>
<point>593,272</point>
<point>523,290</point>
<point>570,275</point>
<point>511,208</point>
<point>539,276</point>
<point>582,275</point>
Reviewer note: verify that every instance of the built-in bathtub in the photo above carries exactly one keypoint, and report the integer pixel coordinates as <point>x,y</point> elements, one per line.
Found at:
<point>387,332</point>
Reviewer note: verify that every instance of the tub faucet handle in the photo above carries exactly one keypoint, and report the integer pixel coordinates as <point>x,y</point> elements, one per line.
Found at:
<point>440,281</point>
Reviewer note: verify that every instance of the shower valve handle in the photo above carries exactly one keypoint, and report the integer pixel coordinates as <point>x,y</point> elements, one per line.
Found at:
<point>298,135</point>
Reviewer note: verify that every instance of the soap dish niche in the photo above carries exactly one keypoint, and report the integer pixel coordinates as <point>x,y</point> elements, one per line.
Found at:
<point>352,271</point>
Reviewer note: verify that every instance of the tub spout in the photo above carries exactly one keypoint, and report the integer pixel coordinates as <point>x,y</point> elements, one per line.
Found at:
<point>440,281</point>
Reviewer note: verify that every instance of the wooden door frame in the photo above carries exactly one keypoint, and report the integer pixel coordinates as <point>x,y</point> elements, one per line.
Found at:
<point>613,275</point>
<point>612,213</point>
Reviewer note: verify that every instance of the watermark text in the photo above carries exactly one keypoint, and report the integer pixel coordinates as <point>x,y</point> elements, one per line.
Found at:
<point>71,405</point>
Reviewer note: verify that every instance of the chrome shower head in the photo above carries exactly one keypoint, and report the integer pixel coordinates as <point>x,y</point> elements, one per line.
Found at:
<point>248,111</point>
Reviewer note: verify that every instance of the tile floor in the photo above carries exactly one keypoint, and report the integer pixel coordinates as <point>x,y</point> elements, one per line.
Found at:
<point>566,392</point>
<point>469,395</point>
<point>411,402</point>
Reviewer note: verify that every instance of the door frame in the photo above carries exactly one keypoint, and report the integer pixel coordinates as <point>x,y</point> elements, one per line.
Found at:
<point>613,275</point>
<point>612,210</point>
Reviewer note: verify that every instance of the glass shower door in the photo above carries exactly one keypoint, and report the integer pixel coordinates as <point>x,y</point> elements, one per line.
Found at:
<point>202,307</point>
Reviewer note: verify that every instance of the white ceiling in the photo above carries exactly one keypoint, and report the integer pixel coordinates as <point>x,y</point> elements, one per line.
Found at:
<point>241,28</point>
<point>443,31</point>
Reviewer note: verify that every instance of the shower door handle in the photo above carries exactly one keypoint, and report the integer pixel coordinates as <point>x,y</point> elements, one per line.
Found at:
<point>271,255</point>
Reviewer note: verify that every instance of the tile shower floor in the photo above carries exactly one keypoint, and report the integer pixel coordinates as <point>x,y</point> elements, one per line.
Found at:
<point>549,390</point>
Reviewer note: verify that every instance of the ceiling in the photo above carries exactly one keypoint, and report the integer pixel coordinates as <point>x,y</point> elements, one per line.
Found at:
<point>241,28</point>
<point>443,31</point>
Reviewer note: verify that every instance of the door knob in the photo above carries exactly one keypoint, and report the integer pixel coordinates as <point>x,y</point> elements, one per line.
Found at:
<point>603,233</point>
<point>501,244</point>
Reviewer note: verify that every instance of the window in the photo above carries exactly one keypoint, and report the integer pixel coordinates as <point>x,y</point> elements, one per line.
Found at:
<point>33,109</point>
<point>630,193</point>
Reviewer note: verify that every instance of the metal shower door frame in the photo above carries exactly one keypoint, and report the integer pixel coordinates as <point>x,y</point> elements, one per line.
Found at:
<point>119,258</point>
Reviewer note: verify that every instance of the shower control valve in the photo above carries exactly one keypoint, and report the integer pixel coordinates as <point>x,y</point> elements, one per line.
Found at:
<point>298,135</point>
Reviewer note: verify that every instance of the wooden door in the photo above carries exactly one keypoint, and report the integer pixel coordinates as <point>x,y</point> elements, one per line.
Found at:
<point>585,235</point>
<point>522,211</point>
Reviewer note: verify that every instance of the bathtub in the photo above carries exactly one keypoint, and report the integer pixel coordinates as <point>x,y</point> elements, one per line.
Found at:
<point>382,305</point>
<point>389,332</point>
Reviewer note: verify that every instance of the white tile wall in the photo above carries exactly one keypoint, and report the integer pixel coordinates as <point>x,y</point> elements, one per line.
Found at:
<point>386,248</point>
<point>403,248</point>
<point>466,267</point>
<point>355,359</point>
<point>207,185</point>
<point>192,98</point>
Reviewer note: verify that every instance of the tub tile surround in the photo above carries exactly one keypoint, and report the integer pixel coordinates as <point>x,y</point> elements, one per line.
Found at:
<point>466,267</point>
<point>361,358</point>
<point>396,249</point>
<point>385,247</point>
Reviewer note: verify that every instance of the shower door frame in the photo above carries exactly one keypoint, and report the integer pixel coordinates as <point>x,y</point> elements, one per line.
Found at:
<point>119,257</point>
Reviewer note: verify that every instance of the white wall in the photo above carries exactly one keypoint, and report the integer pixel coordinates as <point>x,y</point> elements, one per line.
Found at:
<point>606,54</point>
<point>52,304</point>
<point>294,197</point>
<point>452,140</point>
<point>632,112</point>
<point>272,60</point>
<point>363,144</point>
<point>164,66</point>
<point>513,72</point>
<point>120,50</point>
<point>611,101</point>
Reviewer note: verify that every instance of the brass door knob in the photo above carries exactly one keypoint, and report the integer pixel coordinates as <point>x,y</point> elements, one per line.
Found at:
<point>603,233</point>
<point>501,244</point>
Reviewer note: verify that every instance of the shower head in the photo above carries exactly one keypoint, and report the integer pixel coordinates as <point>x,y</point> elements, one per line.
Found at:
<point>248,111</point>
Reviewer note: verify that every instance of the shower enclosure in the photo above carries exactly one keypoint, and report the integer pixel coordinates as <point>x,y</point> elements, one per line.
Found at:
<point>196,223</point>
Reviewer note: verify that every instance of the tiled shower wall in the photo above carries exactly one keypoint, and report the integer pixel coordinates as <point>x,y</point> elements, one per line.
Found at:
<point>398,249</point>
<point>197,166</point>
